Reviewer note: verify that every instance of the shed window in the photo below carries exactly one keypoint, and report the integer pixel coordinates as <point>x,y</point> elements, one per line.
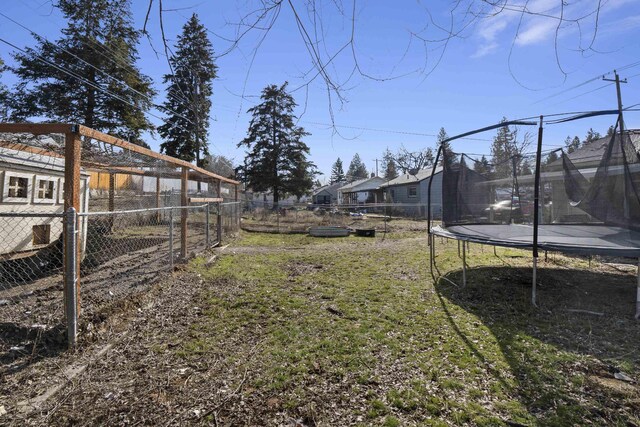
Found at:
<point>46,189</point>
<point>413,192</point>
<point>18,187</point>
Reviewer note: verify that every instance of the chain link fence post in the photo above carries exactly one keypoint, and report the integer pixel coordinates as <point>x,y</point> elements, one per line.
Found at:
<point>71,275</point>
<point>219,223</point>
<point>171,239</point>
<point>207,210</point>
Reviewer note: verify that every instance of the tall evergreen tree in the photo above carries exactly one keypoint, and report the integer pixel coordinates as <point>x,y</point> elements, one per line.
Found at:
<point>507,150</point>
<point>592,135</point>
<point>551,157</point>
<point>389,170</point>
<point>337,172</point>
<point>572,144</point>
<point>447,153</point>
<point>357,169</point>
<point>482,166</point>
<point>4,97</point>
<point>277,156</point>
<point>95,80</point>
<point>189,93</point>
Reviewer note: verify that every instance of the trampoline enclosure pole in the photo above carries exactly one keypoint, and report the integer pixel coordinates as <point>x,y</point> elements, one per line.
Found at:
<point>638,294</point>
<point>464,263</point>
<point>433,170</point>
<point>536,212</point>
<point>533,286</point>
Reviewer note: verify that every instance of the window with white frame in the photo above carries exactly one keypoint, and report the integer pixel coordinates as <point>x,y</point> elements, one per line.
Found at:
<point>17,187</point>
<point>45,190</point>
<point>412,192</point>
<point>61,192</point>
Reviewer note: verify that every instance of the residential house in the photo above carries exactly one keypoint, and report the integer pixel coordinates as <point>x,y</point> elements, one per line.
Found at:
<point>362,191</point>
<point>411,192</point>
<point>327,194</point>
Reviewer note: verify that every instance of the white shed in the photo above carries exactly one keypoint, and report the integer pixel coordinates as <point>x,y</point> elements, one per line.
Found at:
<point>32,181</point>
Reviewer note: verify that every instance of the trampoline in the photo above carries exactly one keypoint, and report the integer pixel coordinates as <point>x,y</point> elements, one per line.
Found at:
<point>573,239</point>
<point>590,207</point>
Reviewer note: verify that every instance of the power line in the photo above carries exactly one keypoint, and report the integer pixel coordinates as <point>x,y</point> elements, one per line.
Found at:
<point>399,132</point>
<point>121,82</point>
<point>586,82</point>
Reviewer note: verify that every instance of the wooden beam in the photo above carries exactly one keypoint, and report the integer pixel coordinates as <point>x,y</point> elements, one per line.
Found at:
<point>72,187</point>
<point>112,140</point>
<point>29,149</point>
<point>184,187</point>
<point>37,128</point>
<point>205,199</point>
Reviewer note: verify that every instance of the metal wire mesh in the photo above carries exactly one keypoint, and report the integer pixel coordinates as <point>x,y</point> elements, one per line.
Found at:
<point>262,216</point>
<point>138,214</point>
<point>31,263</point>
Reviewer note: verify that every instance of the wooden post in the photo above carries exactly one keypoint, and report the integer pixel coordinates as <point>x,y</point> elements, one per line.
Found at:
<point>112,198</point>
<point>158,216</point>
<point>236,208</point>
<point>184,187</point>
<point>219,217</point>
<point>72,187</point>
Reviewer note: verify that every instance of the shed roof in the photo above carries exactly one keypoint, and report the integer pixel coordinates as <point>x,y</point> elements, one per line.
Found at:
<point>11,157</point>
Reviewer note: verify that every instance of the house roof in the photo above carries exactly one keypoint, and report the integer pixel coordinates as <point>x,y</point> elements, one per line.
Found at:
<point>331,188</point>
<point>591,153</point>
<point>412,179</point>
<point>367,184</point>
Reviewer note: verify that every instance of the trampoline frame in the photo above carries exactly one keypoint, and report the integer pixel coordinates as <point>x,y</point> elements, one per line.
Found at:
<point>534,243</point>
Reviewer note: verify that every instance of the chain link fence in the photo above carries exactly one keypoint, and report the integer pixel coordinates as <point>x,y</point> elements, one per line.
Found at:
<point>136,213</point>
<point>265,217</point>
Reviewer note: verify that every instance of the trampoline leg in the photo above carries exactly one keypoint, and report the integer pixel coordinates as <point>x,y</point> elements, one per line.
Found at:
<point>638,294</point>
<point>464,264</point>
<point>535,281</point>
<point>458,248</point>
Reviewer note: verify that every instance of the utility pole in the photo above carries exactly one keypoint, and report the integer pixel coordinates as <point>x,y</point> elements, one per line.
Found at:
<point>619,93</point>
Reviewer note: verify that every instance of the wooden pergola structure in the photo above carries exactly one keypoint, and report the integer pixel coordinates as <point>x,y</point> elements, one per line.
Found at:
<point>73,135</point>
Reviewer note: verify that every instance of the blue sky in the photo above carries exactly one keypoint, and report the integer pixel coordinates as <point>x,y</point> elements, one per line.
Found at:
<point>510,65</point>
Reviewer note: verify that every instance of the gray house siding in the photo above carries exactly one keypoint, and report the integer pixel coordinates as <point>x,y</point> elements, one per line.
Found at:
<point>400,193</point>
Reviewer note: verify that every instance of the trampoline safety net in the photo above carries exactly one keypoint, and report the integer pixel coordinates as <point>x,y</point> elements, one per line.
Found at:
<point>596,185</point>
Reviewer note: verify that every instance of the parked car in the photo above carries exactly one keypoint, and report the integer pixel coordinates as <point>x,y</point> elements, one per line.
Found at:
<point>510,210</point>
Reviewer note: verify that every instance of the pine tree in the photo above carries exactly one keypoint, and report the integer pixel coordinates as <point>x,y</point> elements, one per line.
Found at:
<point>95,81</point>
<point>189,95</point>
<point>389,170</point>
<point>357,169</point>
<point>572,144</point>
<point>4,97</point>
<point>506,152</point>
<point>446,153</point>
<point>592,135</point>
<point>551,157</point>
<point>277,156</point>
<point>482,166</point>
<point>611,130</point>
<point>337,172</point>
